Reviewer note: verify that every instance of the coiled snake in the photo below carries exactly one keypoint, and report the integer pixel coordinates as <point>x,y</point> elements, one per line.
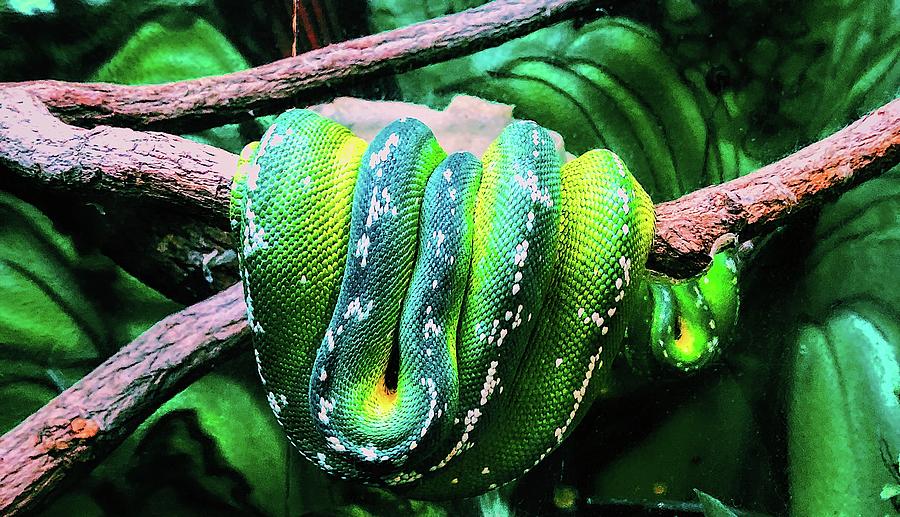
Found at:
<point>433,323</point>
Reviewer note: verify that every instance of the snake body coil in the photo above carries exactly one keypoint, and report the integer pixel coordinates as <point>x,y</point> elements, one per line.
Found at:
<point>433,323</point>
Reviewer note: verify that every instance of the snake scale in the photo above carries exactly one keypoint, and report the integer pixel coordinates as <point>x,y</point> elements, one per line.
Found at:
<point>435,324</point>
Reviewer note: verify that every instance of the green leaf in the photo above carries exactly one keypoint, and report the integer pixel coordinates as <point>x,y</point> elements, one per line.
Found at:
<point>62,310</point>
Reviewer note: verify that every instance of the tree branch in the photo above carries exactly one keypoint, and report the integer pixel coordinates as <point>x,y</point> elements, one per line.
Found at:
<point>121,163</point>
<point>689,228</point>
<point>311,77</point>
<point>87,421</point>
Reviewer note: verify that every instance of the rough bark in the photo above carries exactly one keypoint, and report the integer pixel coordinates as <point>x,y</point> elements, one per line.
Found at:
<point>148,166</point>
<point>124,164</point>
<point>310,77</point>
<point>87,421</point>
<point>689,228</point>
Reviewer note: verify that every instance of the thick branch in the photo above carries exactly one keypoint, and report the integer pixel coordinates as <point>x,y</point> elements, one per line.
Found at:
<point>110,160</point>
<point>87,421</point>
<point>210,101</point>
<point>121,163</point>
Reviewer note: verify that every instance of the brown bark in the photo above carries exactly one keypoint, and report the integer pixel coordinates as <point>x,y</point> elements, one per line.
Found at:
<point>123,164</point>
<point>689,228</point>
<point>149,166</point>
<point>87,421</point>
<point>311,77</point>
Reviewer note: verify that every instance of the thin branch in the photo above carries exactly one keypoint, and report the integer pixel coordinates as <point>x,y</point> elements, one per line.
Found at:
<point>87,421</point>
<point>310,77</point>
<point>691,227</point>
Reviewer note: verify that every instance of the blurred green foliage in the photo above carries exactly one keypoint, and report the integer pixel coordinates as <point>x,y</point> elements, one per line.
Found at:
<point>800,416</point>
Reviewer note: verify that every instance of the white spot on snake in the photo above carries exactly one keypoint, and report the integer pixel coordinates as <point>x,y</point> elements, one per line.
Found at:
<point>303,279</point>
<point>625,229</point>
<point>354,308</point>
<point>485,470</point>
<point>618,283</point>
<point>508,315</point>
<point>378,208</point>
<point>264,142</point>
<point>597,319</point>
<point>259,366</point>
<point>382,155</point>
<point>325,406</point>
<point>712,324</point>
<point>521,253</point>
<point>626,267</point>
<point>454,481</point>
<point>323,375</point>
<point>254,235</point>
<point>452,192</point>
<point>252,176</point>
<point>731,265</point>
<point>530,183</point>
<point>307,180</point>
<point>431,329</point>
<point>559,361</point>
<point>368,453</point>
<point>276,140</point>
<point>490,383</point>
<point>515,288</point>
<point>448,174</point>
<point>434,284</point>
<point>580,312</point>
<point>611,312</point>
<point>252,322</point>
<point>619,164</point>
<point>362,249</point>
<point>439,239</point>
<point>277,402</point>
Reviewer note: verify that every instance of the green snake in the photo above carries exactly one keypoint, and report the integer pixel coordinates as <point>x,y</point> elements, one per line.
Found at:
<point>430,323</point>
